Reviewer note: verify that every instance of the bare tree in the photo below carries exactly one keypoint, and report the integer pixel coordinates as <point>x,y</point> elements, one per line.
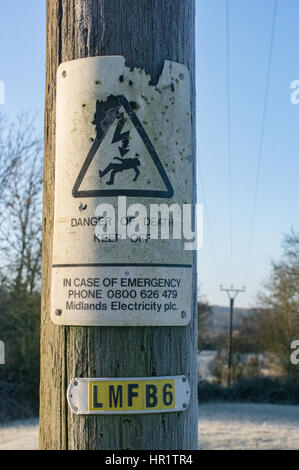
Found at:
<point>20,204</point>
<point>20,264</point>
<point>279,315</point>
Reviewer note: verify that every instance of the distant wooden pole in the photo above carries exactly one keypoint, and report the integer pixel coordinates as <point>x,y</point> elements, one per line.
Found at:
<point>145,33</point>
<point>230,341</point>
<point>232,294</point>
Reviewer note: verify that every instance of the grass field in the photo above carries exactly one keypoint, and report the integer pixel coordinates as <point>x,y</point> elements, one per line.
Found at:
<point>248,426</point>
<point>221,426</point>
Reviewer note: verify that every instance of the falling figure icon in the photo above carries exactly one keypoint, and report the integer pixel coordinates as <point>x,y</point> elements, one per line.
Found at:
<point>125,164</point>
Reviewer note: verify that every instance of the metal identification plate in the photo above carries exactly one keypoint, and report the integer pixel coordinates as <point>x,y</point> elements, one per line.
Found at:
<point>123,145</point>
<point>128,395</point>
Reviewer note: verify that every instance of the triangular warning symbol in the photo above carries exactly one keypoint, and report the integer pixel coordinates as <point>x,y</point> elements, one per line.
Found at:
<point>117,156</point>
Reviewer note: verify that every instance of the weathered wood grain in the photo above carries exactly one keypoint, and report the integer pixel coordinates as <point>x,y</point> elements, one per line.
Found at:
<point>145,32</point>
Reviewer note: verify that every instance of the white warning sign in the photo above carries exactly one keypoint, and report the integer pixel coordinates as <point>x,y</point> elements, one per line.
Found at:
<point>123,181</point>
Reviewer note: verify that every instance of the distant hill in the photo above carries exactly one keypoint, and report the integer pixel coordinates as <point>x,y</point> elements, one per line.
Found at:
<point>218,320</point>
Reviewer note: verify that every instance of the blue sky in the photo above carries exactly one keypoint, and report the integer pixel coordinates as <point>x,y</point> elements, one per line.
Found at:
<point>277,203</point>
<point>22,56</point>
<point>22,68</point>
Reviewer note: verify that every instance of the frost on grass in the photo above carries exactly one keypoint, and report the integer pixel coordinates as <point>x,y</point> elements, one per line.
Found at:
<point>19,435</point>
<point>221,426</point>
<point>248,426</point>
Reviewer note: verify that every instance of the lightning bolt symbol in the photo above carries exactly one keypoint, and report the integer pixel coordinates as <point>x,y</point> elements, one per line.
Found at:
<point>120,136</point>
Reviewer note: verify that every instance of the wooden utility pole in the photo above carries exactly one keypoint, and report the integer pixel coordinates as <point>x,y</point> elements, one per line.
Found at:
<point>145,32</point>
<point>232,294</point>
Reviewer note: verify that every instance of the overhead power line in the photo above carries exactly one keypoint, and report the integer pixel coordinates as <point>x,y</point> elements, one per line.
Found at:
<point>209,225</point>
<point>261,143</point>
<point>228,101</point>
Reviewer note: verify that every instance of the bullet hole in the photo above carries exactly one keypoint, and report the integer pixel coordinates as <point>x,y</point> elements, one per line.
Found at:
<point>134,105</point>
<point>145,99</point>
<point>83,105</point>
<point>82,207</point>
<point>145,123</point>
<point>172,87</point>
<point>97,82</point>
<point>131,83</point>
<point>63,74</point>
<point>91,139</point>
<point>121,78</point>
